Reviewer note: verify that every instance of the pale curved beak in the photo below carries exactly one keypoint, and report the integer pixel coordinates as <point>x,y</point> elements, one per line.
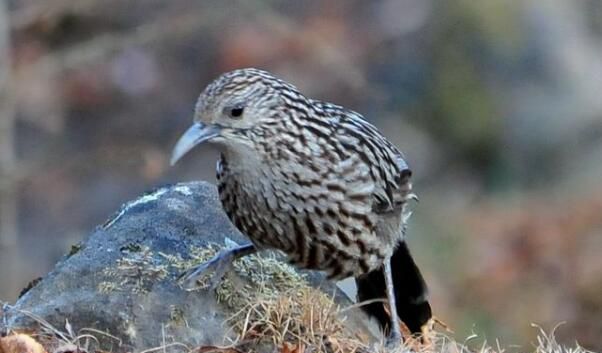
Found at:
<point>196,134</point>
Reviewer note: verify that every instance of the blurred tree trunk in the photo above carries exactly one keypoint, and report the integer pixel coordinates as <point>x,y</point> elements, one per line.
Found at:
<point>8,205</point>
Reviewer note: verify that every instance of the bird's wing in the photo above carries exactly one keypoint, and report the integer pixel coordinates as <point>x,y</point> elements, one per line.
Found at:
<point>388,168</point>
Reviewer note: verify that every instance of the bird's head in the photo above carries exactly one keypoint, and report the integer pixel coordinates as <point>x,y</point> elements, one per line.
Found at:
<point>231,106</point>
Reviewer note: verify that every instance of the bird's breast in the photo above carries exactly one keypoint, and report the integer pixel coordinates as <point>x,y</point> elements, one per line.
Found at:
<point>322,219</point>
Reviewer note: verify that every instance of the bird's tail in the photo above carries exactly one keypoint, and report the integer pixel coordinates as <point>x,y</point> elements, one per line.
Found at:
<point>413,307</point>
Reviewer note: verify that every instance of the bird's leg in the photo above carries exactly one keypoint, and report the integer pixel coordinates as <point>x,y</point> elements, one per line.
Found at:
<point>394,339</point>
<point>219,264</point>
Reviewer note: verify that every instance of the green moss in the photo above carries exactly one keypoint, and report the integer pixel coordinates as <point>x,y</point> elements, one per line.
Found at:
<point>106,287</point>
<point>176,316</point>
<point>136,272</point>
<point>253,277</point>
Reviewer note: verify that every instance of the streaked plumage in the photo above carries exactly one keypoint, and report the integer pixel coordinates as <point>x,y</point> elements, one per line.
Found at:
<point>309,178</point>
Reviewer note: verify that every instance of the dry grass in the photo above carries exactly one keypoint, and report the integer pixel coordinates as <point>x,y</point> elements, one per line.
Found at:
<point>275,310</point>
<point>255,278</point>
<point>66,339</point>
<point>310,321</point>
<point>275,305</point>
<point>307,321</point>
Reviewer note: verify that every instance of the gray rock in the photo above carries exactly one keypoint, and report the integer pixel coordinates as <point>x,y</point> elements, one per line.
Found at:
<point>123,278</point>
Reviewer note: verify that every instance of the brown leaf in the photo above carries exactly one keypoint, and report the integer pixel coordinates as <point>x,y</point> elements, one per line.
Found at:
<point>20,343</point>
<point>291,348</point>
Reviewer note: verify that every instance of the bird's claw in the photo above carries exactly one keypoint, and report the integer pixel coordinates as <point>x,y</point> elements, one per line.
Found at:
<point>393,342</point>
<point>429,327</point>
<point>428,330</point>
<point>219,265</point>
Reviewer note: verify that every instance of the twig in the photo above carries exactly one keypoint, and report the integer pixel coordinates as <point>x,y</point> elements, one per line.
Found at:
<point>106,334</point>
<point>174,344</point>
<point>29,14</point>
<point>102,46</point>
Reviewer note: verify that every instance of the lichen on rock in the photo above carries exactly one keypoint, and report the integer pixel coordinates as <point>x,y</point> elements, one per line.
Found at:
<point>123,279</point>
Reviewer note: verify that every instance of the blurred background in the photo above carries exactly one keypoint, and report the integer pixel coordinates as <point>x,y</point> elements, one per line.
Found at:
<point>497,105</point>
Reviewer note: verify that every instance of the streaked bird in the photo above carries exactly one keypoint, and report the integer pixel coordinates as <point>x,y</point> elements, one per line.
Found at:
<point>315,181</point>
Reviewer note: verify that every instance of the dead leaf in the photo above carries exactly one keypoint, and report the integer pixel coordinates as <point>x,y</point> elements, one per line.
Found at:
<point>292,348</point>
<point>20,343</point>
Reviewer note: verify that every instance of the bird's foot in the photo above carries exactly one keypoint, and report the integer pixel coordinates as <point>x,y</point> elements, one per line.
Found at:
<point>215,269</point>
<point>393,341</point>
<point>415,342</point>
<point>428,330</point>
<point>427,334</point>
<point>208,274</point>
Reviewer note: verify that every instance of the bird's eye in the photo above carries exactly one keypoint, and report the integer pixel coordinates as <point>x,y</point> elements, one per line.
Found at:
<point>235,112</point>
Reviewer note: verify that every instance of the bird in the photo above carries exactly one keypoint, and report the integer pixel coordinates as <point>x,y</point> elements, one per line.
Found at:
<point>316,181</point>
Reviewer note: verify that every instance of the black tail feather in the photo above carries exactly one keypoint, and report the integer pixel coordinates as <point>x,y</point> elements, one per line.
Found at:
<point>410,292</point>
